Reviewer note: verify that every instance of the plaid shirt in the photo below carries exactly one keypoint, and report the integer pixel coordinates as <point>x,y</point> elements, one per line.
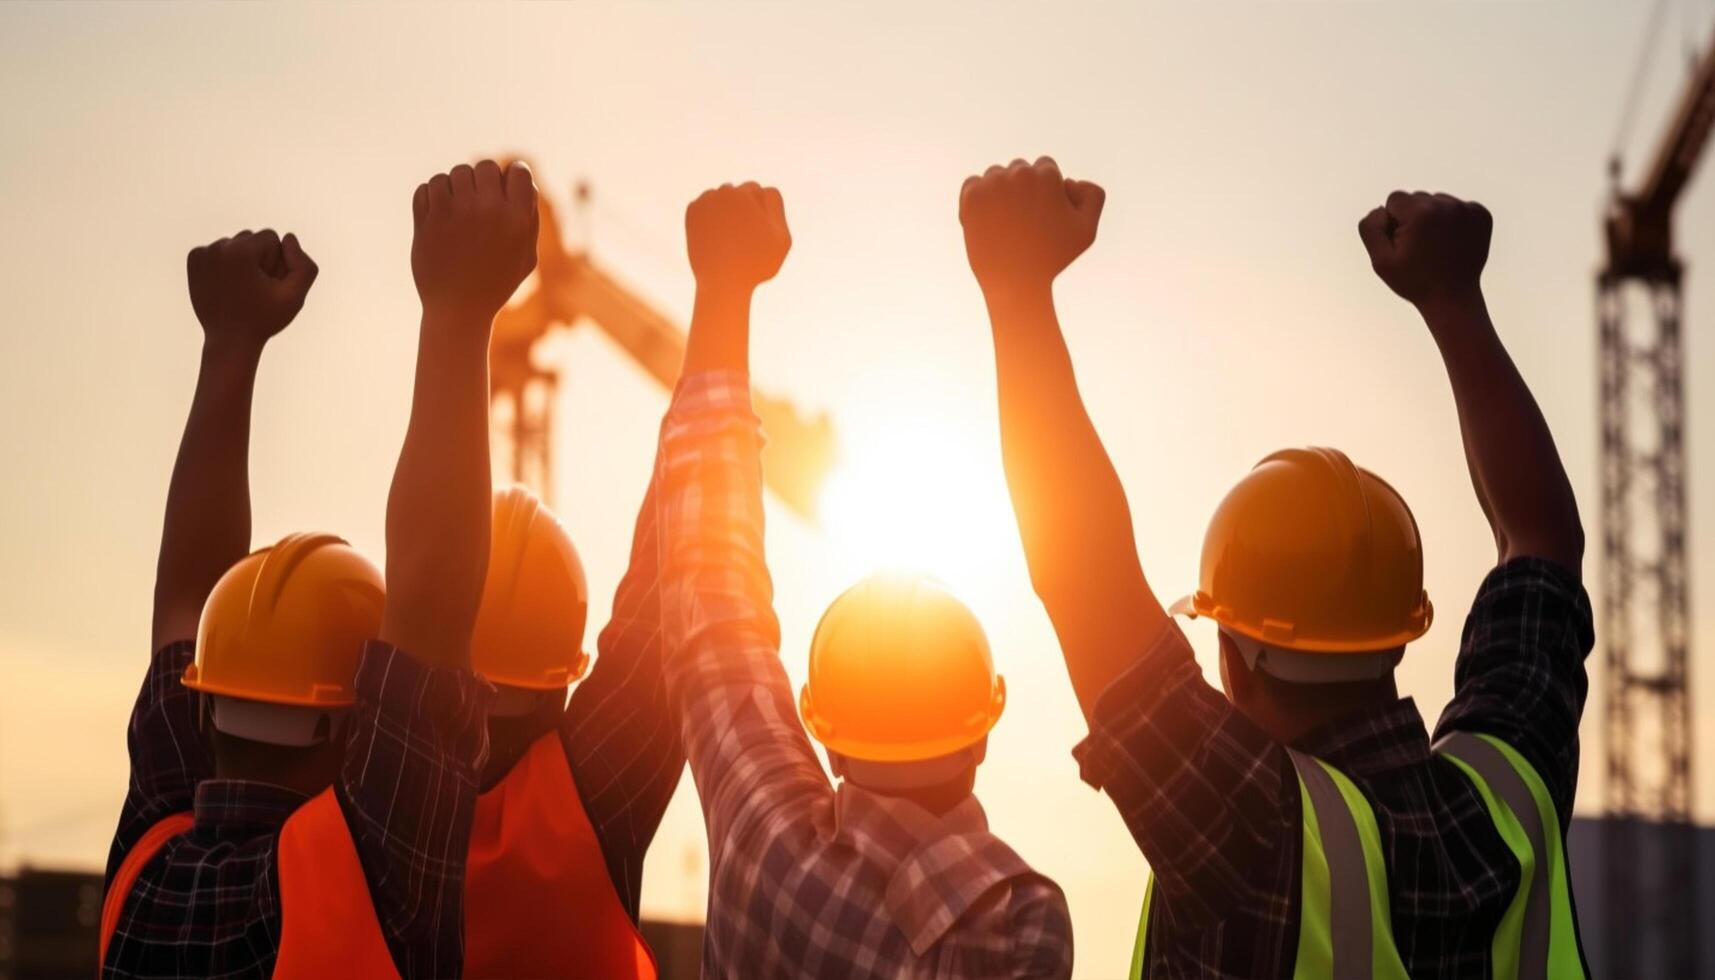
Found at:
<point>806,881</point>
<point>621,731</point>
<point>1214,803</point>
<point>209,903</point>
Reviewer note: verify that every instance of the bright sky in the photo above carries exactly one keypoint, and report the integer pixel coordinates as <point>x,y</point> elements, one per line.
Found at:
<point>1226,310</point>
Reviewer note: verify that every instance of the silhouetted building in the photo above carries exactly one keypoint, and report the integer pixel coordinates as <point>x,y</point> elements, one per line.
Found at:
<point>48,923</point>
<point>1585,847</point>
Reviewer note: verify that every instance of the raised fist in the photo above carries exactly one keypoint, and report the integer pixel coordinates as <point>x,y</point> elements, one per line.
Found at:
<point>248,287</point>
<point>475,238</point>
<point>1427,246</point>
<point>737,236</point>
<point>1024,223</point>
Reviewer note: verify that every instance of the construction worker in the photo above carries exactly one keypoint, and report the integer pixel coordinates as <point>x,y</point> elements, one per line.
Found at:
<point>573,793</point>
<point>895,873</point>
<point>1305,824</point>
<point>316,822</point>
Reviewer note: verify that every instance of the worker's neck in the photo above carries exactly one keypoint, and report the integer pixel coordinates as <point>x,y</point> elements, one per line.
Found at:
<point>307,771</point>
<point>939,799</point>
<point>509,737</point>
<point>1288,712</point>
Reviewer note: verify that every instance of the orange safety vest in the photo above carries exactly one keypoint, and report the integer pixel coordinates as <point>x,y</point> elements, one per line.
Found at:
<point>328,926</point>
<point>538,899</point>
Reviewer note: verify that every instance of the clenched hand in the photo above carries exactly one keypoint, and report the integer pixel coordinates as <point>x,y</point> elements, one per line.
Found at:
<point>1025,223</point>
<point>474,240</point>
<point>1428,247</point>
<point>737,236</point>
<point>247,288</point>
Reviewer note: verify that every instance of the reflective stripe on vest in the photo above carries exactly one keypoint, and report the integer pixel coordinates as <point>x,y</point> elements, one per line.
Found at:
<point>328,926</point>
<point>1537,937</point>
<point>119,889</point>
<point>1345,928</point>
<point>538,898</point>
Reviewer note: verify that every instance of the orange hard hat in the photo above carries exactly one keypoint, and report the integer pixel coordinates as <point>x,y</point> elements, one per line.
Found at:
<point>286,624</point>
<point>1310,552</point>
<point>900,671</point>
<point>535,602</point>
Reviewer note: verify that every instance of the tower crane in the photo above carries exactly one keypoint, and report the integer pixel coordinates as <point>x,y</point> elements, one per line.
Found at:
<point>569,288</point>
<point>1650,880</point>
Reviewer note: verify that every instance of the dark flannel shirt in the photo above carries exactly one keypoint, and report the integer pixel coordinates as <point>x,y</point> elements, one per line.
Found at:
<point>806,881</point>
<point>620,730</point>
<point>1214,803</point>
<point>208,904</point>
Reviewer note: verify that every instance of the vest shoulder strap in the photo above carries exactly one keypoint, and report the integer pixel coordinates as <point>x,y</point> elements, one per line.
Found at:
<point>1345,927</point>
<point>136,859</point>
<point>1538,934</point>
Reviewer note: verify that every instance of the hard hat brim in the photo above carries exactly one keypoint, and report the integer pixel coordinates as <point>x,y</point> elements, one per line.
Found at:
<point>1188,607</point>
<point>323,697</point>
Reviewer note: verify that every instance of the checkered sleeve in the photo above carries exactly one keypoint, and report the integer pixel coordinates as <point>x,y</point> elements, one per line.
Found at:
<point>747,751</point>
<point>1202,789</point>
<point>1040,931</point>
<point>169,755</point>
<point>417,744</point>
<point>621,730</point>
<point>1520,674</point>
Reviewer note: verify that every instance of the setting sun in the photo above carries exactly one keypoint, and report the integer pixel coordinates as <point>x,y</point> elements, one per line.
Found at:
<point>919,490</point>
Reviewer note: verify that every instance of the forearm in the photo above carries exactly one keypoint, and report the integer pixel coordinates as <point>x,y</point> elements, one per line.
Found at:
<point>720,330</point>
<point>1514,464</point>
<point>207,524</point>
<point>438,510</point>
<point>1071,509</point>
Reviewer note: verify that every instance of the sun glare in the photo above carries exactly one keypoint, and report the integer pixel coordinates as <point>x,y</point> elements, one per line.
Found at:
<point>914,492</point>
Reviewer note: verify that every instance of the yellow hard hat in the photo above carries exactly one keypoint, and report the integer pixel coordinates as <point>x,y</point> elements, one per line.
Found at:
<point>900,671</point>
<point>1311,552</point>
<point>530,628</point>
<point>286,624</point>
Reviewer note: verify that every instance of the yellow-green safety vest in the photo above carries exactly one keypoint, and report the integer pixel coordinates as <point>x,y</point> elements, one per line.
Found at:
<point>1344,929</point>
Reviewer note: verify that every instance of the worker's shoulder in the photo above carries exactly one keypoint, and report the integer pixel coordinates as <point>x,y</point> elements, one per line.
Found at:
<point>971,890</point>
<point>996,876</point>
<point>1031,911</point>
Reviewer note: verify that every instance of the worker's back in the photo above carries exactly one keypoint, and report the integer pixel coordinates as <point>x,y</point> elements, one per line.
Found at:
<point>853,883</point>
<point>1219,806</point>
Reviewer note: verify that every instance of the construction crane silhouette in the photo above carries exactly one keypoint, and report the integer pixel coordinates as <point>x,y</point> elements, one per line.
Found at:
<point>1649,878</point>
<point>569,288</point>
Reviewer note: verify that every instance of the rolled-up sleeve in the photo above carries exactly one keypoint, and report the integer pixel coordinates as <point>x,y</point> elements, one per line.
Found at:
<point>1201,788</point>
<point>169,755</point>
<point>1520,675</point>
<point>408,787</point>
<point>721,637</point>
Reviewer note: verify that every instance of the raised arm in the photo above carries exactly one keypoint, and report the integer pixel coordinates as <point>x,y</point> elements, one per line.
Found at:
<point>419,735</point>
<point>1024,224</point>
<point>244,289</point>
<point>720,636</point>
<point>475,241</point>
<point>1430,249</point>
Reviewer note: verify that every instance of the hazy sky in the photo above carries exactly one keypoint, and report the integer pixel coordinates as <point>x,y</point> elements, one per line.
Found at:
<point>1226,311</point>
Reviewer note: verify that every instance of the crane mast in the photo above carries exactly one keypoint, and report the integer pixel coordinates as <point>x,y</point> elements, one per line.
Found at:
<point>570,288</point>
<point>1649,876</point>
